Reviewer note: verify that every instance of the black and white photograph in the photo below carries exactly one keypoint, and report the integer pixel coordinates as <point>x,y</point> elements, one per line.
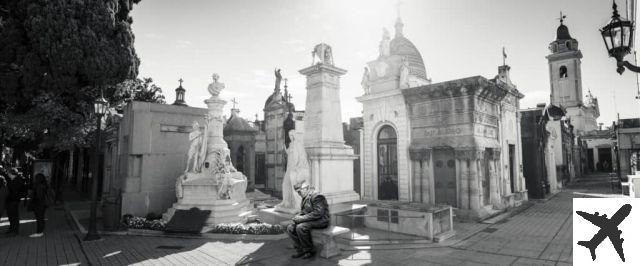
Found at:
<point>319,132</point>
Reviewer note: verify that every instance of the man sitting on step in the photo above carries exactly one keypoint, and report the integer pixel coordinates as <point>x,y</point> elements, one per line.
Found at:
<point>314,213</point>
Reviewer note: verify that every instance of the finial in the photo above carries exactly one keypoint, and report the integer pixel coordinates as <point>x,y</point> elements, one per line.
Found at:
<point>504,56</point>
<point>615,10</point>
<point>235,102</point>
<point>285,83</point>
<point>180,80</point>
<point>399,25</point>
<point>562,16</point>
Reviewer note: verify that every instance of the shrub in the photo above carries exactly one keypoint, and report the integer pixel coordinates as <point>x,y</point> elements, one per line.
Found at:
<point>134,222</point>
<point>252,229</point>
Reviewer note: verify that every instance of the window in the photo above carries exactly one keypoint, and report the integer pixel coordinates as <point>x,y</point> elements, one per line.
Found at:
<point>563,72</point>
<point>568,44</point>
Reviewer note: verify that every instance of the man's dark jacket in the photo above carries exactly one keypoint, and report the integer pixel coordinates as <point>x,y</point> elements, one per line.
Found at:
<point>314,207</point>
<point>17,189</point>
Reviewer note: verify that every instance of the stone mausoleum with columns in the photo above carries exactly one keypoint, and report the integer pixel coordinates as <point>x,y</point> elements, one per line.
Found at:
<point>455,142</point>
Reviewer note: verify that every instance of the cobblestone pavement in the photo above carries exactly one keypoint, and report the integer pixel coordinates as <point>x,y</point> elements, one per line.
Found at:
<point>537,235</point>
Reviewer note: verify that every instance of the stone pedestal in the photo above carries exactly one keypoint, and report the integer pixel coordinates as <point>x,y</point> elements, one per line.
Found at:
<point>217,186</point>
<point>331,160</point>
<point>202,193</point>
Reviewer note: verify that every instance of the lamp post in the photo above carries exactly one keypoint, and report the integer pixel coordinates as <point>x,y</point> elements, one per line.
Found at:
<point>99,109</point>
<point>618,39</point>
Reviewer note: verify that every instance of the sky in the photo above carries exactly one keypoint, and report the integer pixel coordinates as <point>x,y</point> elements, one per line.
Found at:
<point>245,40</point>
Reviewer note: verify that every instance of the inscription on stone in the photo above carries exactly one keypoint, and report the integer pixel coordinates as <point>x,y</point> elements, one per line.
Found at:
<point>458,130</point>
<point>177,129</point>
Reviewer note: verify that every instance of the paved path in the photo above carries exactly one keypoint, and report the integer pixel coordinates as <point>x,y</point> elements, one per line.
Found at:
<point>538,235</point>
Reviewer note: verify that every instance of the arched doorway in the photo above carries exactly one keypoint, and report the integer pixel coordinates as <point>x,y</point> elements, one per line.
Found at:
<point>240,159</point>
<point>387,164</point>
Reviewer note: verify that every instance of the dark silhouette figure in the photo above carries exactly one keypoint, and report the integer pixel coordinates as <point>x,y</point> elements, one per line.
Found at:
<point>388,190</point>
<point>287,126</point>
<point>39,203</point>
<point>608,228</point>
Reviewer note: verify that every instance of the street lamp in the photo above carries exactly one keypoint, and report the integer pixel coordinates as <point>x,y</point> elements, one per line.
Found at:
<point>618,39</point>
<point>99,108</point>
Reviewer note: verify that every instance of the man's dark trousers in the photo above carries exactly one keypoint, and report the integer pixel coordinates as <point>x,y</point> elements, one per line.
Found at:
<point>14,216</point>
<point>301,234</point>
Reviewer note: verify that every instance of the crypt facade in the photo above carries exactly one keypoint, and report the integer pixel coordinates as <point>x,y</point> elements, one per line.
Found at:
<point>455,142</point>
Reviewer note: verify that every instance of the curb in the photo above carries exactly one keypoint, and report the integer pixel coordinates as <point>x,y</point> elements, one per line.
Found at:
<point>153,233</point>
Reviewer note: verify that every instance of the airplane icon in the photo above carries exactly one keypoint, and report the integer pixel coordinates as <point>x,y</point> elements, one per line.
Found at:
<point>608,228</point>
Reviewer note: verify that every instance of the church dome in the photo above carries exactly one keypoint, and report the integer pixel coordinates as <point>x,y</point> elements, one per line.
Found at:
<point>238,124</point>
<point>275,96</point>
<point>403,47</point>
<point>562,33</point>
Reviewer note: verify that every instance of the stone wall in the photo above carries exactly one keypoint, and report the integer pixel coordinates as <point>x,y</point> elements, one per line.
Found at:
<point>152,145</point>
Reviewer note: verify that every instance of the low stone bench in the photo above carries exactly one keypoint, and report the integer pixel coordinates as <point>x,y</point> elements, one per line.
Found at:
<point>326,239</point>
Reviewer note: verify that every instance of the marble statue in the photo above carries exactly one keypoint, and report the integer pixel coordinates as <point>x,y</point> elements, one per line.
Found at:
<point>322,52</point>
<point>194,158</point>
<point>297,171</point>
<point>404,74</point>
<point>278,79</point>
<point>385,43</point>
<point>210,182</point>
<point>215,87</point>
<point>365,80</point>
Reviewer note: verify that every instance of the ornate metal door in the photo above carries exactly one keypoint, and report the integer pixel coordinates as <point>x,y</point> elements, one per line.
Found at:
<point>445,176</point>
<point>387,164</point>
<point>486,178</point>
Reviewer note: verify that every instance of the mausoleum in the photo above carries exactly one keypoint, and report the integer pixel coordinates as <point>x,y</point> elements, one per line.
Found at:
<point>455,142</point>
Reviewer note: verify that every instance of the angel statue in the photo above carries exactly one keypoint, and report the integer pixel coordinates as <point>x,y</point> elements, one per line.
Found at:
<point>404,73</point>
<point>365,80</point>
<point>385,43</point>
<point>297,171</point>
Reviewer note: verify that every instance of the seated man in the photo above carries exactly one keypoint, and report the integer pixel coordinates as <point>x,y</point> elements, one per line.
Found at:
<point>314,213</point>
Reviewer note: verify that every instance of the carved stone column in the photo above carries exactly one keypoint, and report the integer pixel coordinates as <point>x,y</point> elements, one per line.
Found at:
<point>469,181</point>
<point>421,160</point>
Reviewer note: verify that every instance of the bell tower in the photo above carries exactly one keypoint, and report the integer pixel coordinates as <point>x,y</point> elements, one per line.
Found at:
<point>564,68</point>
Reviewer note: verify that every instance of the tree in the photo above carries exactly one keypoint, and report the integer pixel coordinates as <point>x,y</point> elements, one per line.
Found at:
<point>142,90</point>
<point>55,57</point>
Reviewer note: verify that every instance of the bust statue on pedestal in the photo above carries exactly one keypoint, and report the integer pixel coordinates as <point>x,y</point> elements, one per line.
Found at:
<point>210,181</point>
<point>215,87</point>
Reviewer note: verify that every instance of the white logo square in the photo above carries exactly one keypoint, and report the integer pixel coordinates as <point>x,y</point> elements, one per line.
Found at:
<point>606,228</point>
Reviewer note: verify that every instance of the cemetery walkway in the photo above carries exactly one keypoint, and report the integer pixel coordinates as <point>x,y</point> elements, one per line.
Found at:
<point>539,234</point>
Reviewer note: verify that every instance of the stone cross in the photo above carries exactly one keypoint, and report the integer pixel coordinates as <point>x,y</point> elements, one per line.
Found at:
<point>180,80</point>
<point>235,102</point>
<point>562,17</point>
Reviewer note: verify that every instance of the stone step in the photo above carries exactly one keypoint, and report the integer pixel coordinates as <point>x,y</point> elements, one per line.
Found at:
<point>444,236</point>
<point>212,207</point>
<point>228,219</point>
<point>216,212</point>
<point>352,242</point>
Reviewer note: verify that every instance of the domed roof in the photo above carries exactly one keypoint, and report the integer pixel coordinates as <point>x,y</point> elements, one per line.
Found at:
<point>275,96</point>
<point>562,33</point>
<point>403,47</point>
<point>237,123</point>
